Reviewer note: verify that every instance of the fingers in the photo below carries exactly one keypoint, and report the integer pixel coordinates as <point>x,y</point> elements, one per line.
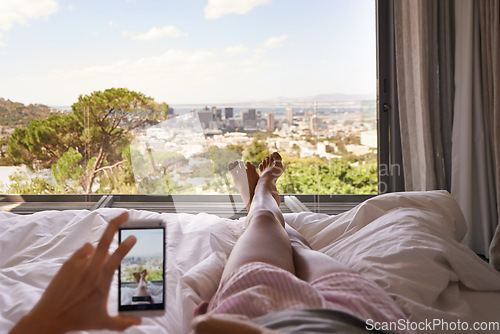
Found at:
<point>102,249</point>
<point>83,252</point>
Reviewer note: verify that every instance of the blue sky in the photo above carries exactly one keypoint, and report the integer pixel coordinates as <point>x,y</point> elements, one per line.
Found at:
<point>186,51</point>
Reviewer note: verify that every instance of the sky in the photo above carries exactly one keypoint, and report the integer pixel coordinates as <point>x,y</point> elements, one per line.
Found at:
<point>149,242</point>
<point>186,51</point>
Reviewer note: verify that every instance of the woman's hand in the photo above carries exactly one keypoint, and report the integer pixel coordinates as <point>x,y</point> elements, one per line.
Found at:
<point>76,299</point>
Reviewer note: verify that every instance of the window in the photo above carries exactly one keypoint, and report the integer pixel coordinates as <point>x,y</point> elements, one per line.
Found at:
<point>294,76</point>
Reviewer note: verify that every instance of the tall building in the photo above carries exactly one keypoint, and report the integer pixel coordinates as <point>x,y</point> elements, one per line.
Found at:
<point>270,121</point>
<point>314,123</point>
<point>249,119</point>
<point>217,114</point>
<point>289,115</point>
<point>252,114</point>
<point>228,112</point>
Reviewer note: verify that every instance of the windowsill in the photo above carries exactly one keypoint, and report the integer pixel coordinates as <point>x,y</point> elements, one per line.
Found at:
<point>225,206</point>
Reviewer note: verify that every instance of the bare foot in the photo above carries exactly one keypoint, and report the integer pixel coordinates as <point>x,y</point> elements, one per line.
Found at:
<point>245,179</point>
<point>137,277</point>
<point>271,169</point>
<point>144,273</point>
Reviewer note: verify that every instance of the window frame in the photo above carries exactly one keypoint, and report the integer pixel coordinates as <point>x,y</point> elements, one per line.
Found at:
<point>388,151</point>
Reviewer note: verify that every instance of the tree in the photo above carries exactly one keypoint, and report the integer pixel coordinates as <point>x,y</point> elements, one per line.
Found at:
<point>317,176</point>
<point>111,116</point>
<point>21,183</point>
<point>256,152</point>
<point>44,141</point>
<point>88,142</point>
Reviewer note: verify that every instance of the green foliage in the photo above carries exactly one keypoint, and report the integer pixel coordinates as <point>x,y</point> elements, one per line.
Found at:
<point>256,152</point>
<point>236,148</point>
<point>221,157</point>
<point>89,142</point>
<point>15,113</point>
<point>44,141</point>
<point>336,177</point>
<point>261,136</point>
<point>153,275</point>
<point>22,184</point>
<point>68,168</point>
<point>120,178</point>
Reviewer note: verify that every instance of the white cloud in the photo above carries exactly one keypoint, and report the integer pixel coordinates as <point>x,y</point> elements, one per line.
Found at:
<point>235,49</point>
<point>218,8</point>
<point>258,63</point>
<point>155,33</point>
<point>22,11</point>
<point>174,76</point>
<point>275,42</point>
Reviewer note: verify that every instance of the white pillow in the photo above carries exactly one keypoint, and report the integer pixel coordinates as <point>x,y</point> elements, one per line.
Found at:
<point>199,284</point>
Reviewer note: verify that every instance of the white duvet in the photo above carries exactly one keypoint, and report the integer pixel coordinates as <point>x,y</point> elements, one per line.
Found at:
<point>406,242</point>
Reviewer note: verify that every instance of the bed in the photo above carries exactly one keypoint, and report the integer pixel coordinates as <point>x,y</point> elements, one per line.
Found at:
<point>408,243</point>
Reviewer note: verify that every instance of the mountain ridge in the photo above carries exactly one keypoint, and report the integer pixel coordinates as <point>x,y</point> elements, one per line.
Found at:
<point>19,114</point>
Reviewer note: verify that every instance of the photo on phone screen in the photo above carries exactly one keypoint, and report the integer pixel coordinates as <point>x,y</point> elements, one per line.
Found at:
<point>141,273</point>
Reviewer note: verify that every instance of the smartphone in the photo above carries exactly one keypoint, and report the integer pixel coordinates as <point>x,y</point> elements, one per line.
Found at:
<point>141,275</point>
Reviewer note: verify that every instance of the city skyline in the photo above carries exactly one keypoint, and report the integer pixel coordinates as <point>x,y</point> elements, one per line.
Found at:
<point>201,51</point>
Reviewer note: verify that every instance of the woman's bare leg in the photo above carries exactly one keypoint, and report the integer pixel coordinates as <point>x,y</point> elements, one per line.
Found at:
<point>311,264</point>
<point>265,238</point>
<point>307,264</point>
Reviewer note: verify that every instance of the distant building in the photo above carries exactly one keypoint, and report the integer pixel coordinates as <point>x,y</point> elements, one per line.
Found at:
<point>289,115</point>
<point>314,123</point>
<point>249,115</point>
<point>249,119</point>
<point>217,114</point>
<point>228,112</point>
<point>270,121</point>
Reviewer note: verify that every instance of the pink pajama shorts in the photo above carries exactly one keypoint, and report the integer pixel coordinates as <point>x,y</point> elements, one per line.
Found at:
<point>258,288</point>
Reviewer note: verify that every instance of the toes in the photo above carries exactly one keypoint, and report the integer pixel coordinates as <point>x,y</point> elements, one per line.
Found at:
<point>231,165</point>
<point>277,158</point>
<point>250,166</point>
<point>242,164</point>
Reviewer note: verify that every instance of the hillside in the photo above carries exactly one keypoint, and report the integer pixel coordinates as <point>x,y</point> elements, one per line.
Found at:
<point>15,113</point>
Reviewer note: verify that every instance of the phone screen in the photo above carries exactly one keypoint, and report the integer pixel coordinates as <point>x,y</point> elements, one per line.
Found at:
<point>141,273</point>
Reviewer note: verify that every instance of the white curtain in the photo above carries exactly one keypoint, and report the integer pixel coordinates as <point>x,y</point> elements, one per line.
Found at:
<point>448,81</point>
<point>473,180</point>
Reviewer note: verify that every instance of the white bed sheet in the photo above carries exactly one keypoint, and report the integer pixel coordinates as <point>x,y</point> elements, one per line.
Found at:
<point>406,242</point>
